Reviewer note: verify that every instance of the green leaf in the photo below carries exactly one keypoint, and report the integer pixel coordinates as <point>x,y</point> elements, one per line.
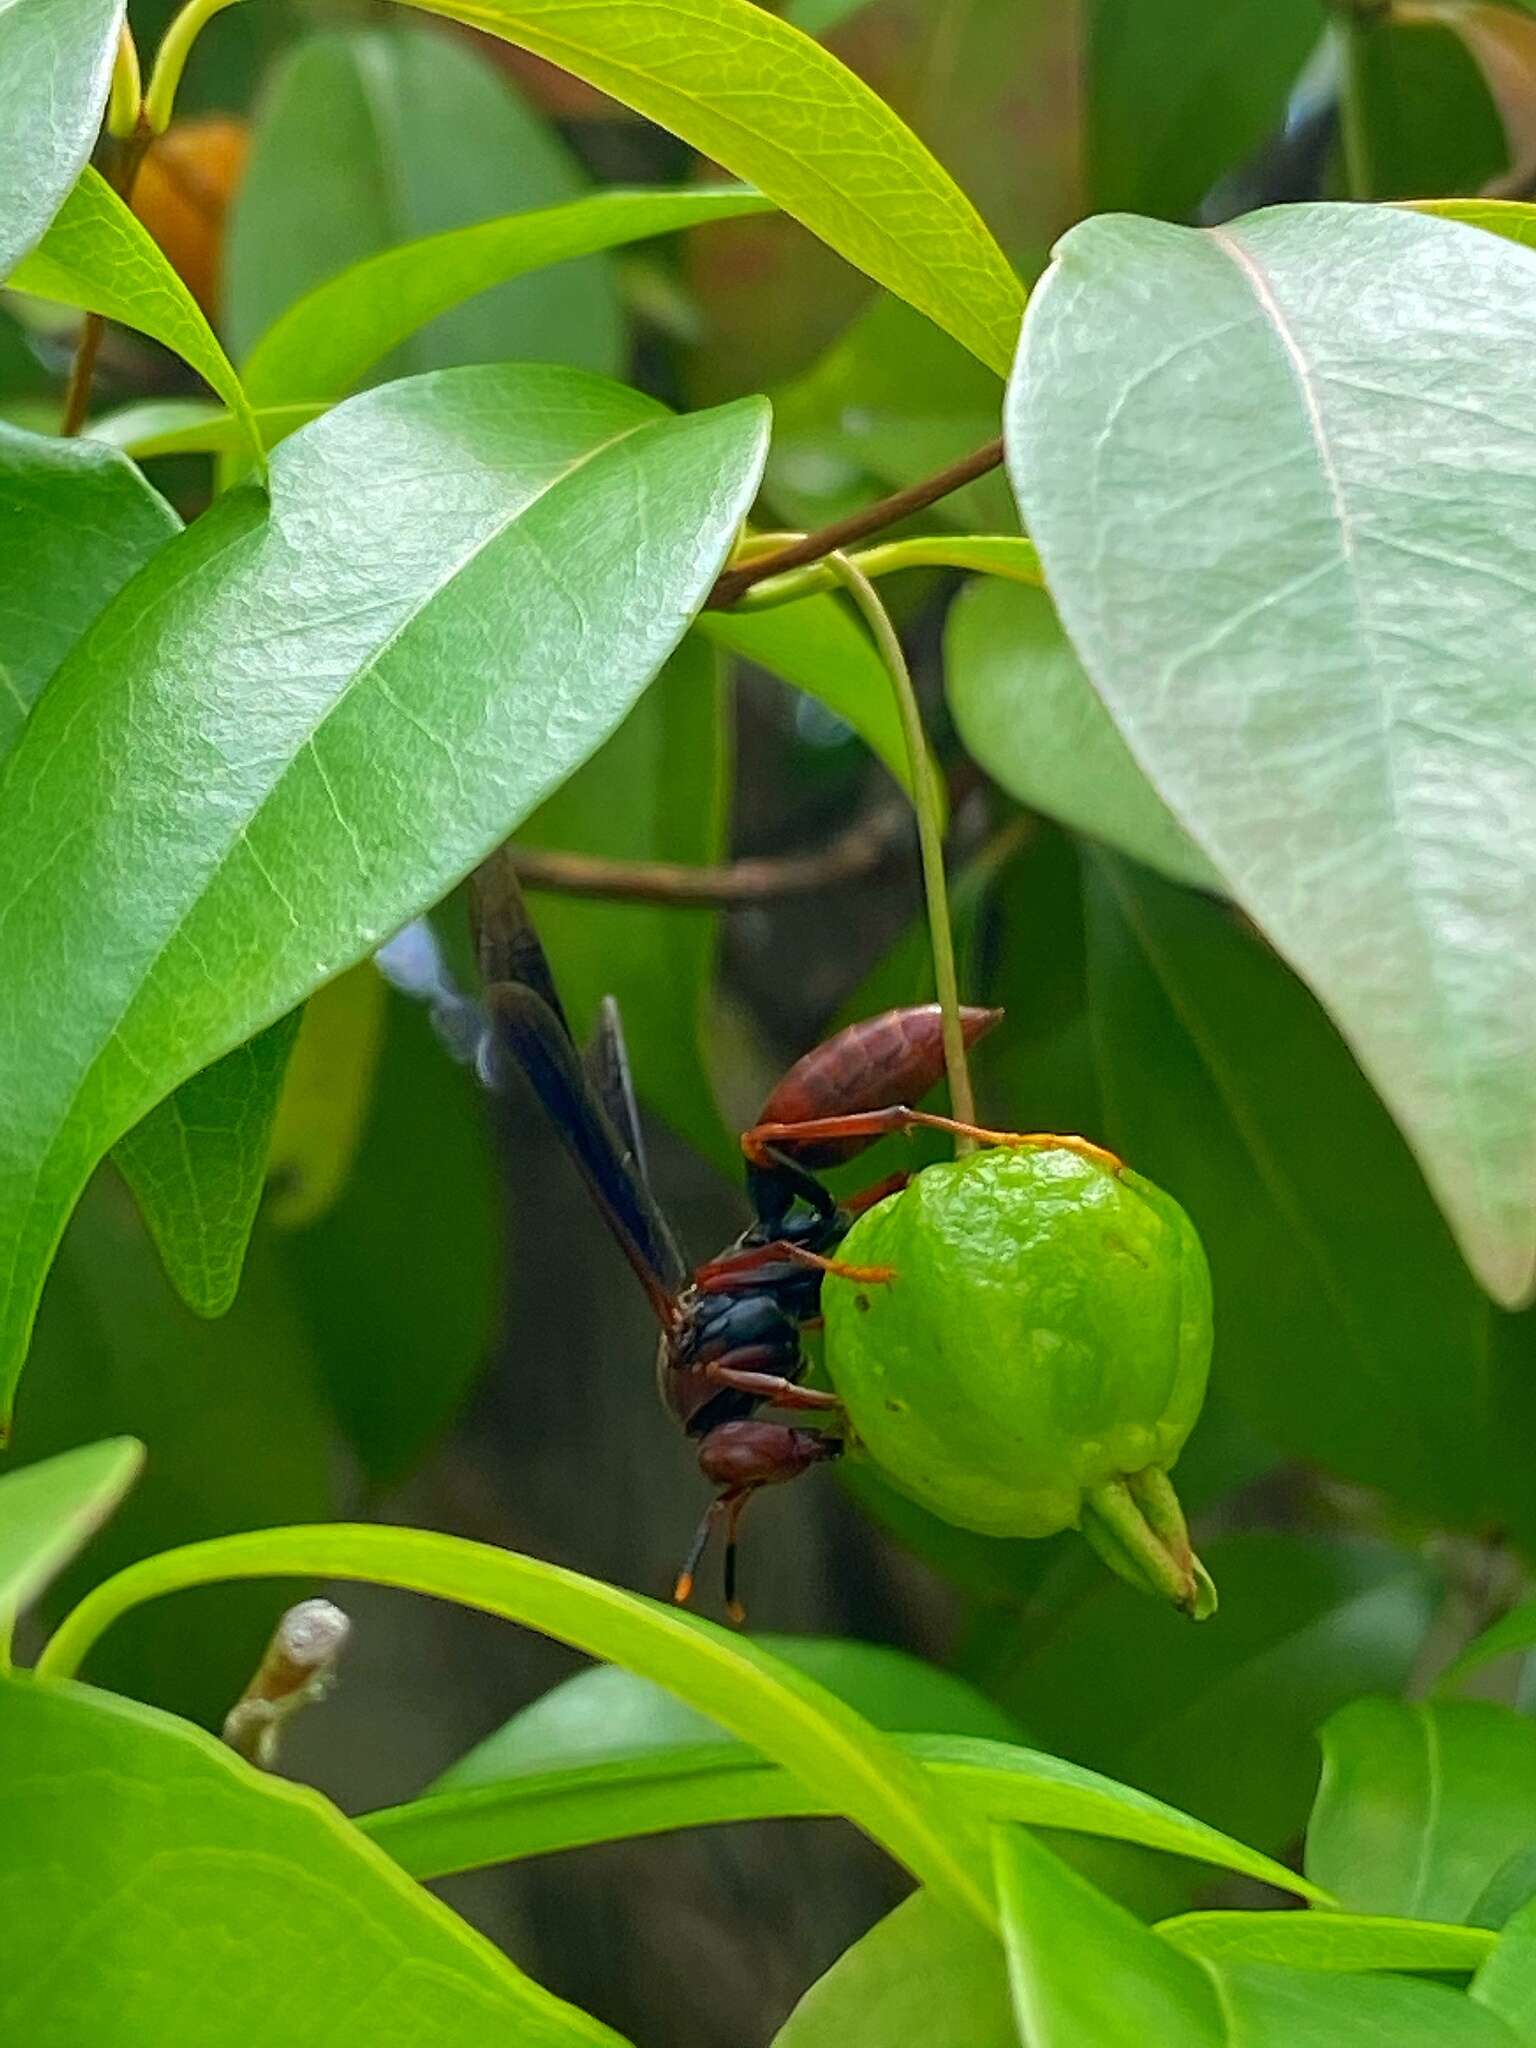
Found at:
<point>775,109</point>
<point>1222,1722</point>
<point>1328,1941</point>
<point>78,521</point>
<point>1510,1634</point>
<point>835,1754</point>
<point>1420,1804</point>
<point>1301,571</point>
<point>1506,1983</point>
<point>646,1791</point>
<point>50,1511</point>
<point>198,1162</point>
<point>193,426</point>
<point>820,648</point>
<point>397,1281</point>
<point>296,795</point>
<point>1177,96</point>
<point>328,341</point>
<point>56,58</point>
<point>372,137</point>
<point>235,1430</point>
<point>604,1714</point>
<point>197,1862</point>
<point>920,1974</point>
<point>98,257</point>
<point>1430,123</point>
<point>1083,1969</point>
<point>1350,1331</point>
<point>658,790</point>
<point>327,1089</point>
<point>1029,715</point>
<point>1514,219</point>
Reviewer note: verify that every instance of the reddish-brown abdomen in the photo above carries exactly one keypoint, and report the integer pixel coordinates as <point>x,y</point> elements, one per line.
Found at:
<point>896,1057</point>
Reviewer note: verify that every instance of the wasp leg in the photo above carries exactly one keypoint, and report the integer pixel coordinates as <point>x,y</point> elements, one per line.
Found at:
<point>767,1386</point>
<point>722,1274</point>
<point>765,1142</point>
<point>682,1590</point>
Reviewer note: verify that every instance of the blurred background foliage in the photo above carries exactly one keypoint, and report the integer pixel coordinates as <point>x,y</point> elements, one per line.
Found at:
<point>433,1325</point>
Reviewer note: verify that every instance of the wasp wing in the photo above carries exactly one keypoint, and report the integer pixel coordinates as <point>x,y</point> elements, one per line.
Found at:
<point>606,1059</point>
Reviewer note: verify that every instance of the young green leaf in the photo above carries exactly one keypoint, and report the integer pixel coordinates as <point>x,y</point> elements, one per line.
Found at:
<point>330,708</point>
<point>325,343</point>
<point>212,1883</point>
<point>98,257</point>
<point>1328,1941</point>
<point>775,109</point>
<point>1514,219</point>
<point>194,426</point>
<point>369,137</point>
<point>56,59</point>
<point>835,1754</point>
<point>51,1510</point>
<point>1224,1080</point>
<point>1420,1804</point>
<point>1262,518</point>
<point>79,520</point>
<point>1506,1983</point>
<point>920,1974</point>
<point>1030,716</point>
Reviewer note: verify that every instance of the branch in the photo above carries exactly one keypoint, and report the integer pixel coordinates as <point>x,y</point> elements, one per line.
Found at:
<point>855,854</point>
<point>813,547</point>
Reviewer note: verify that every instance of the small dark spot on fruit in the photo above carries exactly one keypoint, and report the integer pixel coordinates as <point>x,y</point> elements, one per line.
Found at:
<point>861,1302</point>
<point>896,1407</point>
<point>1112,1243</point>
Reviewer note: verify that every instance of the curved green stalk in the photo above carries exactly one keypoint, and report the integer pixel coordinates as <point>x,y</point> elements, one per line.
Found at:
<point>171,60</point>
<point>125,100</point>
<point>930,837</point>
<point>1003,555</point>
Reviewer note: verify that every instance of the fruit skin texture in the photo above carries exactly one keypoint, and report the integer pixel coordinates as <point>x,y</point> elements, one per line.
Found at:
<point>1048,1329</point>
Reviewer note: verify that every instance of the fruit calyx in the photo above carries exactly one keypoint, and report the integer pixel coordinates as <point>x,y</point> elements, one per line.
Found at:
<point>1137,1526</point>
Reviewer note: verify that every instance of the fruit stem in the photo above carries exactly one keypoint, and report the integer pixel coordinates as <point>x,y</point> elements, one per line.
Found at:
<point>930,838</point>
<point>1137,1527</point>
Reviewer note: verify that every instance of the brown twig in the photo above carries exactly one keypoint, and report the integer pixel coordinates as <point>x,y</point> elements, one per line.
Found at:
<point>128,156</point>
<point>855,854</point>
<point>842,533</point>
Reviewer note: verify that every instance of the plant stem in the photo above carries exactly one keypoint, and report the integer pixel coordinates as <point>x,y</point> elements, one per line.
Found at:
<point>1351,27</point>
<point>930,839</point>
<point>815,547</point>
<point>922,551</point>
<point>125,101</point>
<point>127,155</point>
<point>171,60</point>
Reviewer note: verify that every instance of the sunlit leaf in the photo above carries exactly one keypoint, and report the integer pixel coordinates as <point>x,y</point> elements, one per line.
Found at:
<point>920,1974</point>
<point>310,789</point>
<point>1266,537</point>
<point>56,60</point>
<point>51,1510</point>
<point>1328,1941</point>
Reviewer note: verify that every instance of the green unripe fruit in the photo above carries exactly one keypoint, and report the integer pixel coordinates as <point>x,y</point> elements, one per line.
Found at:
<point>1039,1356</point>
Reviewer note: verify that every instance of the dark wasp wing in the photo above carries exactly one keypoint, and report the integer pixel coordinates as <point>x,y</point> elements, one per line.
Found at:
<point>526,1026</point>
<point>606,1059</point>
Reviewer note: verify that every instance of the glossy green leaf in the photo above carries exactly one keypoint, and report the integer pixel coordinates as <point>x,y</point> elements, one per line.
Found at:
<point>833,1752</point>
<point>328,341</point>
<point>372,137</point>
<point>76,521</point>
<point>1420,1804</point>
<point>1350,1331</point>
<point>604,1714</point>
<point>1222,1722</point>
<point>98,257</point>
<point>1029,715</point>
<point>198,1162</point>
<point>1302,569</point>
<point>373,750</point>
<point>1328,1941</point>
<point>264,1913</point>
<point>236,1436</point>
<point>397,1281</point>
<point>820,648</point>
<point>50,1511</point>
<point>1176,96</point>
<point>658,790</point>
<point>761,98</point>
<point>920,1974</point>
<point>646,1791</point>
<point>193,426</point>
<point>1506,1983</point>
<point>1083,1969</point>
<point>56,60</point>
